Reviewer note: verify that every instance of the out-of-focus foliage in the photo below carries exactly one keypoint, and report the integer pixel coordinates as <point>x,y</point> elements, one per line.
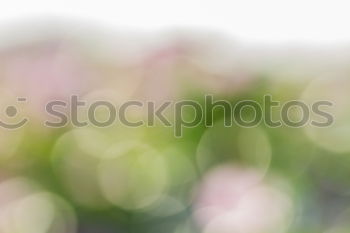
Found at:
<point>212,179</point>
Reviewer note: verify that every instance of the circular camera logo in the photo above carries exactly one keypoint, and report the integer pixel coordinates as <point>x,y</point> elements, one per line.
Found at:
<point>11,112</point>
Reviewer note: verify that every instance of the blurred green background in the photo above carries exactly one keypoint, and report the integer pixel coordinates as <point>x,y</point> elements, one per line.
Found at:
<point>145,180</point>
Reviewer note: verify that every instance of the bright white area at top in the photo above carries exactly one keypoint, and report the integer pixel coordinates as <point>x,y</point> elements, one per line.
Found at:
<point>266,21</point>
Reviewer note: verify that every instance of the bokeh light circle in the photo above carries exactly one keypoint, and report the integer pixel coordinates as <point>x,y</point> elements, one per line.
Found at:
<point>336,91</point>
<point>26,208</point>
<point>133,175</point>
